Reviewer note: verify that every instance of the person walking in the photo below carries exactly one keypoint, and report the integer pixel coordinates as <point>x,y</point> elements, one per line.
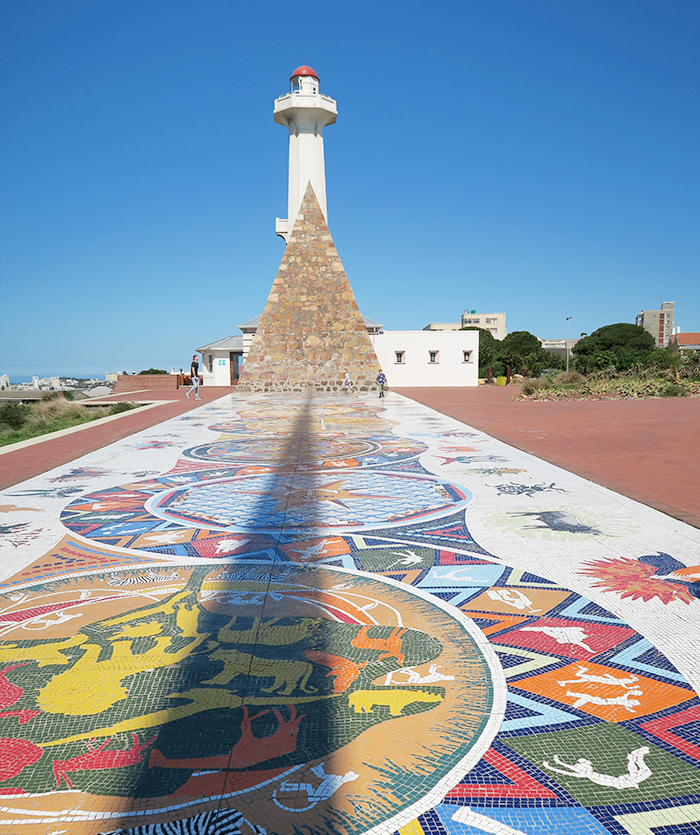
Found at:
<point>381,382</point>
<point>194,373</point>
<point>347,382</point>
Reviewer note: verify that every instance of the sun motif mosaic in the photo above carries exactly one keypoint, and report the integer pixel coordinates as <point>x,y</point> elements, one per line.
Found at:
<point>306,625</point>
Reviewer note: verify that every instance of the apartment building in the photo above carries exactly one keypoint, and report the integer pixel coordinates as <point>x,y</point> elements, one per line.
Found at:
<point>493,322</point>
<point>659,323</point>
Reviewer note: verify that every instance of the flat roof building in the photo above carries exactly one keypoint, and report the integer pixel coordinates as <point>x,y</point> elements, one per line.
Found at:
<point>443,326</point>
<point>659,323</point>
<point>495,323</point>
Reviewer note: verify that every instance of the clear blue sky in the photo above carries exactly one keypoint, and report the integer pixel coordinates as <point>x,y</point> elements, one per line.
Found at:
<point>538,157</point>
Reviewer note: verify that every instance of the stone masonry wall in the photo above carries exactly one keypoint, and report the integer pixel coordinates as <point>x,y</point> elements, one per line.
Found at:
<point>311,330</point>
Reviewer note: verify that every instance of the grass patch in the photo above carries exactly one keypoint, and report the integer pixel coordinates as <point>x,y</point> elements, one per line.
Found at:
<point>20,423</point>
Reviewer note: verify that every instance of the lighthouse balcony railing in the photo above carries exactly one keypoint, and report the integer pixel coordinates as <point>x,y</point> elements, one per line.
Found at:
<point>326,101</point>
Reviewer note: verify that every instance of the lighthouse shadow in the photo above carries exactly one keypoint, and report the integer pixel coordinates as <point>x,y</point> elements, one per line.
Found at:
<point>237,699</point>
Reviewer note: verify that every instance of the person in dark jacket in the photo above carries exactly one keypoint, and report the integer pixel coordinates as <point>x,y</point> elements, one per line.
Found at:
<point>194,372</point>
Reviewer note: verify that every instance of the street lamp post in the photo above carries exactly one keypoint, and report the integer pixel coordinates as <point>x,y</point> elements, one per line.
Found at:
<point>568,319</point>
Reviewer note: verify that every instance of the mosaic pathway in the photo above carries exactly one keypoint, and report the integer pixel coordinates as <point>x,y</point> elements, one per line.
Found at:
<point>317,617</point>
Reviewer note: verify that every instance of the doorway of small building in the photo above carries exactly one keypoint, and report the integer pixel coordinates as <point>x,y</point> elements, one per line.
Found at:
<point>235,366</point>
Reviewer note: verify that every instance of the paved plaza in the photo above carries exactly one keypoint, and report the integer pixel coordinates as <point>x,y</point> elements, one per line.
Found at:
<point>336,614</point>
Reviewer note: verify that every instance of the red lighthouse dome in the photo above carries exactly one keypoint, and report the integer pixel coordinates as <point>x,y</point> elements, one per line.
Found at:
<point>303,70</point>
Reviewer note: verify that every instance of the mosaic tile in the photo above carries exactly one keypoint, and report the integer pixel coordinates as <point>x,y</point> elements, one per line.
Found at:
<point>327,616</point>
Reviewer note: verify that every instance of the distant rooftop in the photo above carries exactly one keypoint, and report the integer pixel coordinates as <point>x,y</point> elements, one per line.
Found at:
<point>443,326</point>
<point>228,343</point>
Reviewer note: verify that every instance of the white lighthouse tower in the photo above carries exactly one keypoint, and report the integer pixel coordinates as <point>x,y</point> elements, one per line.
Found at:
<point>305,112</point>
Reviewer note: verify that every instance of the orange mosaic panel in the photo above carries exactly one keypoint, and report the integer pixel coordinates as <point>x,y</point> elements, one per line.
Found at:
<point>518,601</point>
<point>606,692</point>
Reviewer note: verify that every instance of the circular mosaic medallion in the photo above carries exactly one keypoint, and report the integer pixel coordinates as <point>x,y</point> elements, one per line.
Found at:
<point>168,696</point>
<point>278,451</point>
<point>352,500</point>
<point>313,452</point>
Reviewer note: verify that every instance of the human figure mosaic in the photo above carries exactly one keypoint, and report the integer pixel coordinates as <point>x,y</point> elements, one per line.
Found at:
<point>324,616</point>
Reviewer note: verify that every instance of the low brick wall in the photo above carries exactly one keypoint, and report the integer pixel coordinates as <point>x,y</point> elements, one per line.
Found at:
<point>138,382</point>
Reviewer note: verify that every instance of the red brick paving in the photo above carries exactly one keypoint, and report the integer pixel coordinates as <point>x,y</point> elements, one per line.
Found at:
<point>647,450</point>
<point>32,460</point>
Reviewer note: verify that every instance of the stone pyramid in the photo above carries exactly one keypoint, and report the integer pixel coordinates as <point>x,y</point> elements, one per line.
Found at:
<point>311,330</point>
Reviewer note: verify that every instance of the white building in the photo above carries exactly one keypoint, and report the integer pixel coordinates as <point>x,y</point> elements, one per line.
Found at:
<point>304,111</point>
<point>558,346</point>
<point>222,361</point>
<point>408,358</point>
<point>4,382</point>
<point>493,322</point>
<point>428,358</point>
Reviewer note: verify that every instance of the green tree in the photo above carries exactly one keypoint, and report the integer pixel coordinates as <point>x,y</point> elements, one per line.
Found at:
<point>523,352</point>
<point>487,347</point>
<point>555,361</point>
<point>630,344</point>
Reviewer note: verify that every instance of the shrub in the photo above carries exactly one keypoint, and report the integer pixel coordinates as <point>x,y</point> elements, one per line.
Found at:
<point>50,395</point>
<point>660,358</point>
<point>628,358</point>
<point>69,395</point>
<point>568,378</point>
<point>14,415</point>
<point>604,359</point>
<point>122,406</point>
<point>673,390</point>
<point>153,371</point>
<point>530,386</point>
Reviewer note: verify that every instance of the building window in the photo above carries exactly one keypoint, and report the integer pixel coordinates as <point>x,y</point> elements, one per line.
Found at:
<point>434,356</point>
<point>399,357</point>
<point>467,356</point>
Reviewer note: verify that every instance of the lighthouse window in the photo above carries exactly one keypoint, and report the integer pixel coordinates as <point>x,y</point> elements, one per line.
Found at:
<point>434,356</point>
<point>399,357</point>
<point>467,356</point>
